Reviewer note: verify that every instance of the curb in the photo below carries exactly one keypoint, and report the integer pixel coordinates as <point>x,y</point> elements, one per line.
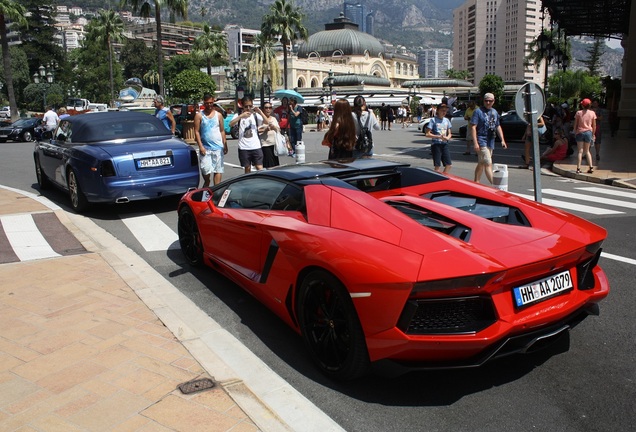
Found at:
<point>270,402</point>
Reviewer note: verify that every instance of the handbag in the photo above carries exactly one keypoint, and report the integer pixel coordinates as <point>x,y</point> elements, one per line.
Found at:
<point>281,144</point>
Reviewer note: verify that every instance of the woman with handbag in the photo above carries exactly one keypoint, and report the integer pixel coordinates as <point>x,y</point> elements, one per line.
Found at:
<point>268,133</point>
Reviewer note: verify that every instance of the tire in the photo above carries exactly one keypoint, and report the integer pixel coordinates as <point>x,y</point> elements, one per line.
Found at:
<point>27,136</point>
<point>78,200</point>
<point>330,327</point>
<point>43,180</point>
<point>189,237</point>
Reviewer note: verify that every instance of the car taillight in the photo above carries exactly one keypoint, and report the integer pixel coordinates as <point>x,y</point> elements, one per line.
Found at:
<point>194,159</point>
<point>107,168</point>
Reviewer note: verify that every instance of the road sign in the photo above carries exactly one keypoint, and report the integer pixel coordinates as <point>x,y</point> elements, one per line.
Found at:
<point>536,97</point>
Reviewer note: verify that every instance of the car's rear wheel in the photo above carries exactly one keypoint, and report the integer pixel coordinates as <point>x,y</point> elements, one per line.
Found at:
<point>27,136</point>
<point>43,180</point>
<point>189,237</point>
<point>78,200</point>
<point>330,327</point>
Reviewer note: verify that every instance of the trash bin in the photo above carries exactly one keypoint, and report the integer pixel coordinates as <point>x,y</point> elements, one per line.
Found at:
<point>300,152</point>
<point>500,176</point>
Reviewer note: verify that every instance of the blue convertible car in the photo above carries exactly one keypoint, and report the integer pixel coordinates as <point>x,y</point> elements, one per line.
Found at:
<point>115,157</point>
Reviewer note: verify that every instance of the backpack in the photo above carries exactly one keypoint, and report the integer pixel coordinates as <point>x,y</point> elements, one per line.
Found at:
<point>304,115</point>
<point>364,143</point>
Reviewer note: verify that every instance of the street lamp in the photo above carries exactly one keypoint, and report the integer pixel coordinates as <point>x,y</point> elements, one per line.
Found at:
<point>237,75</point>
<point>330,83</point>
<point>45,75</point>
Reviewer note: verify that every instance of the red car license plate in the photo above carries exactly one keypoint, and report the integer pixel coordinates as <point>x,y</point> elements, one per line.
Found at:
<point>542,289</point>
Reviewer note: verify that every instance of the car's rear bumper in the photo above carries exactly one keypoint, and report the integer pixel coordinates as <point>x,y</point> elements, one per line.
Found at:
<point>113,190</point>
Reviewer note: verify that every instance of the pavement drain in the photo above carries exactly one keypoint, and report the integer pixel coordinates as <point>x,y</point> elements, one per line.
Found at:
<point>196,385</point>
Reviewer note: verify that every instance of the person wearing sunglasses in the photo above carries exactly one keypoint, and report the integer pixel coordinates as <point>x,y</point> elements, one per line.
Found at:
<point>484,126</point>
<point>249,143</point>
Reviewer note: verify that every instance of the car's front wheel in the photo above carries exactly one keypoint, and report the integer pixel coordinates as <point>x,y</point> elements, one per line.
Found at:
<point>78,200</point>
<point>189,237</point>
<point>27,136</point>
<point>330,327</point>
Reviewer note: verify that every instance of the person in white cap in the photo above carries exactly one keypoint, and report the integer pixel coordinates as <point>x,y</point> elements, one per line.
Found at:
<point>484,125</point>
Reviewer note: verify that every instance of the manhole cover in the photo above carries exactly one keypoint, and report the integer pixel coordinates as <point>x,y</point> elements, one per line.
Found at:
<point>196,385</point>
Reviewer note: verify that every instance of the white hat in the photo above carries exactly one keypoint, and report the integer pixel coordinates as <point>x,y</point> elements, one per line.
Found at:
<point>564,105</point>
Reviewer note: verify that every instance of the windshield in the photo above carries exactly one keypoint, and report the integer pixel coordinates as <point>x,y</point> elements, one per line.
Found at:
<point>24,123</point>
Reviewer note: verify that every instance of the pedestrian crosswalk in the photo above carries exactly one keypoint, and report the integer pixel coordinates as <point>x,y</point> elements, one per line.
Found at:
<point>589,199</point>
<point>26,237</point>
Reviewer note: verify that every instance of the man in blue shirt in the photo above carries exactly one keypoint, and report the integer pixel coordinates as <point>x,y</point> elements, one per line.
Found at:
<point>484,125</point>
<point>163,113</point>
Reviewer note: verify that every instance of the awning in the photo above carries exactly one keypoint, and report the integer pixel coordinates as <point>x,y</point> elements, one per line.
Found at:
<point>591,17</point>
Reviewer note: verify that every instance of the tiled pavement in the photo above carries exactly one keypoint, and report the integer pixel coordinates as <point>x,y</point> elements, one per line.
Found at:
<point>79,350</point>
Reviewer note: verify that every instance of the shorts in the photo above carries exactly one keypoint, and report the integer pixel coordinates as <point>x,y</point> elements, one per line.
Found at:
<point>484,157</point>
<point>585,137</point>
<point>211,162</point>
<point>441,154</point>
<point>251,157</point>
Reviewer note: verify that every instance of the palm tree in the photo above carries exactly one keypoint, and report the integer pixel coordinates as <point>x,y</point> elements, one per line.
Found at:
<point>15,12</point>
<point>210,45</point>
<point>262,60</point>
<point>285,20</point>
<point>151,77</point>
<point>536,55</point>
<point>109,28</point>
<point>145,8</point>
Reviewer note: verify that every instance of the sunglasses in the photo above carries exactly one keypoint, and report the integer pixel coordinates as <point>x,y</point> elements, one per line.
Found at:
<point>248,106</point>
<point>268,107</point>
<point>489,100</point>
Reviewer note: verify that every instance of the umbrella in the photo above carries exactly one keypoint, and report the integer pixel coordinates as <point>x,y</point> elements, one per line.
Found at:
<point>289,94</point>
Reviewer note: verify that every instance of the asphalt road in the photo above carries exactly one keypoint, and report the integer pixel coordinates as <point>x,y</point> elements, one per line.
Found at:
<point>589,387</point>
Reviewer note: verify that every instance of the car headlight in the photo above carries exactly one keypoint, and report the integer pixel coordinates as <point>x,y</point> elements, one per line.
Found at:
<point>16,131</point>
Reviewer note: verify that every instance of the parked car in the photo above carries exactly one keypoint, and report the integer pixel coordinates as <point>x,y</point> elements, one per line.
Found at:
<point>115,157</point>
<point>456,118</point>
<point>25,129</point>
<point>371,260</point>
<point>5,112</point>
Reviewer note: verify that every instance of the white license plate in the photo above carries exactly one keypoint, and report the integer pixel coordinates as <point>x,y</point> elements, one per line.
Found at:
<point>154,162</point>
<point>542,289</point>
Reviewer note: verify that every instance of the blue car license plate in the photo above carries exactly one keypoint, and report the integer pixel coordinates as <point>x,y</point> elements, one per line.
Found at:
<point>154,162</point>
<point>542,289</point>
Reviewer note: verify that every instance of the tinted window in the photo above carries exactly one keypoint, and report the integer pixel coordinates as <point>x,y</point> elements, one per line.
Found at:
<point>259,193</point>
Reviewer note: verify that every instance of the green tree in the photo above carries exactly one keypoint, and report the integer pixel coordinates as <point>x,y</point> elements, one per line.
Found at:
<point>494,84</point>
<point>209,46</point>
<point>39,95</point>
<point>536,56</point>
<point>136,58</point>
<point>262,61</point>
<point>38,35</point>
<point>15,12</point>
<point>178,64</point>
<point>575,85</point>
<point>19,71</point>
<point>191,85</point>
<point>284,19</point>
<point>145,8</point>
<point>109,28</point>
<point>595,51</point>
<point>458,74</point>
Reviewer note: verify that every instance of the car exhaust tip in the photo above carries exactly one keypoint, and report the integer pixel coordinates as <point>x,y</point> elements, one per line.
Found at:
<point>122,200</point>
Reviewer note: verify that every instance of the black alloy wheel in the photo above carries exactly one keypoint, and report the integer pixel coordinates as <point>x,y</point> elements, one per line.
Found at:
<point>189,237</point>
<point>27,136</point>
<point>330,327</point>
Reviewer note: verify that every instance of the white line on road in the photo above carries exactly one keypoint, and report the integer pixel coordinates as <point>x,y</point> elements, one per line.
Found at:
<point>595,199</point>
<point>618,258</point>
<point>152,232</point>
<point>572,206</point>
<point>608,191</point>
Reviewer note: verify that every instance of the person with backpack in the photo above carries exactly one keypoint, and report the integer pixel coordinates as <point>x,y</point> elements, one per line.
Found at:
<point>365,121</point>
<point>341,136</point>
<point>439,130</point>
<point>295,123</point>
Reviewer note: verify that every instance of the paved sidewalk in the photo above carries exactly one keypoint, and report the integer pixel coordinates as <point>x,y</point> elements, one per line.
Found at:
<point>79,350</point>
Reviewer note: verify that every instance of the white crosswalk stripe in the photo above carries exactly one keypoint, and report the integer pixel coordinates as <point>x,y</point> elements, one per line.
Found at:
<point>613,192</point>
<point>592,198</point>
<point>25,238</point>
<point>583,208</point>
<point>152,233</point>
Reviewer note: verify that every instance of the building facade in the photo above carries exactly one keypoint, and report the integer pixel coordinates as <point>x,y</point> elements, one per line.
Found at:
<point>493,36</point>
<point>433,63</point>
<point>240,41</point>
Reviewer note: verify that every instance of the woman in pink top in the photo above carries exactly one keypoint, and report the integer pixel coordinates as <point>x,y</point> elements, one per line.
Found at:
<point>584,129</point>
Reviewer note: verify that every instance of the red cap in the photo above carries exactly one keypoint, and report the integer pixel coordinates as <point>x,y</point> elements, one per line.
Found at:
<point>586,103</point>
